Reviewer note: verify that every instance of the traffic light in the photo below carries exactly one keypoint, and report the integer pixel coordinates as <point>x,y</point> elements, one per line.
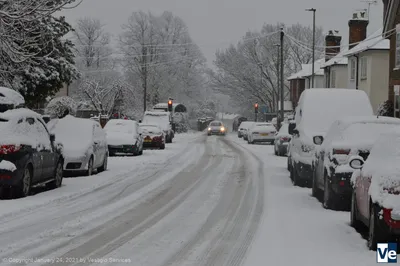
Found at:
<point>256,108</point>
<point>169,105</point>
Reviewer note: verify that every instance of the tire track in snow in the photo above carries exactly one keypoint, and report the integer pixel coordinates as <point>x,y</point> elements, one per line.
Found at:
<point>143,217</point>
<point>66,207</point>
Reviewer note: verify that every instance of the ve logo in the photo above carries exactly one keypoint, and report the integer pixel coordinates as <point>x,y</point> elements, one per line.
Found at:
<point>386,253</point>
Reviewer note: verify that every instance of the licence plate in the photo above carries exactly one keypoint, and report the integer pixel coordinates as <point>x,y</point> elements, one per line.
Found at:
<point>264,134</point>
<point>147,140</point>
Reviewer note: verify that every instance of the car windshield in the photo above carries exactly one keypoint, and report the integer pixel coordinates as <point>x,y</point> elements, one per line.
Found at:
<point>215,124</point>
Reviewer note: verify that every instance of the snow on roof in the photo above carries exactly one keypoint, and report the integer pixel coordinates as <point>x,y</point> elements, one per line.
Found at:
<point>319,108</point>
<point>306,70</point>
<point>382,165</point>
<point>9,96</point>
<point>339,59</point>
<point>373,42</point>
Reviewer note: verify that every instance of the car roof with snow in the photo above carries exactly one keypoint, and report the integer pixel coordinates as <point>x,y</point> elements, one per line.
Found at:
<point>10,96</point>
<point>15,114</point>
<point>319,108</point>
<point>360,132</point>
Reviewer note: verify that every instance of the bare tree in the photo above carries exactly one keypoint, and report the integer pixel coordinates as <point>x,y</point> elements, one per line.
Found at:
<point>92,43</point>
<point>249,73</point>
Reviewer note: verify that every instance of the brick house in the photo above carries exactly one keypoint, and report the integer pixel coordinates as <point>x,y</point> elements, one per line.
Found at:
<point>391,22</point>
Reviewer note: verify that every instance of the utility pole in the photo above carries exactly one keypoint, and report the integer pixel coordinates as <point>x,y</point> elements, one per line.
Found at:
<point>144,72</point>
<point>313,47</point>
<point>282,81</point>
<point>277,79</point>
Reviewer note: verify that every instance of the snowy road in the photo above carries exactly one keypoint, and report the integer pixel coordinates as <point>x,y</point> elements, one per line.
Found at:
<point>202,201</point>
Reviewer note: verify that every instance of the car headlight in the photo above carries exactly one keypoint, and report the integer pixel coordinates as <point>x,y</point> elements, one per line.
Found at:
<point>222,129</point>
<point>209,128</point>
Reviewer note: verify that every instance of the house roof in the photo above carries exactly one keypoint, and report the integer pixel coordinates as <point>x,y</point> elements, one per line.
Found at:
<point>306,70</point>
<point>390,14</point>
<point>339,59</point>
<point>373,42</point>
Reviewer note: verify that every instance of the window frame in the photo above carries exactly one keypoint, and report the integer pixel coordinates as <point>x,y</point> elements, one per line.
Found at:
<point>353,69</point>
<point>363,68</point>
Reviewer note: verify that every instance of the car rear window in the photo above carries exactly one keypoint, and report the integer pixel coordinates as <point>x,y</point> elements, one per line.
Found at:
<point>150,129</point>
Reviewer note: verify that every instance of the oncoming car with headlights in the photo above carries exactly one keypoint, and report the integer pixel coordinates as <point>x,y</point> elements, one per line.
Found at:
<point>216,128</point>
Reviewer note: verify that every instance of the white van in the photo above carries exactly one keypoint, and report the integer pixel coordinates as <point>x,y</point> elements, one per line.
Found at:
<point>316,111</point>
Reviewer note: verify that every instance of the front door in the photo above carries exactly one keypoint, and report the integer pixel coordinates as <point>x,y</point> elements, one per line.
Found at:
<point>48,153</point>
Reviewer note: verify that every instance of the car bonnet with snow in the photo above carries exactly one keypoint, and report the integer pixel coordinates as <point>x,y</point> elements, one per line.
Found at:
<point>75,134</point>
<point>354,136</point>
<point>319,108</point>
<point>121,132</point>
<point>383,167</point>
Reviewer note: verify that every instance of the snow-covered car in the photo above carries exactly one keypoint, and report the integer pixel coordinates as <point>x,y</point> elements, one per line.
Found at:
<point>375,200</point>
<point>28,154</point>
<point>282,140</point>
<point>244,127</point>
<point>316,111</point>
<point>261,132</point>
<point>162,119</point>
<point>346,137</point>
<point>124,137</point>
<point>153,136</point>
<point>216,128</point>
<point>10,99</point>
<point>84,144</point>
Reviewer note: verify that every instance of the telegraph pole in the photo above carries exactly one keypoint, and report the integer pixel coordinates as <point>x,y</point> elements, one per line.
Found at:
<point>277,79</point>
<point>144,71</point>
<point>282,81</point>
<point>313,47</point>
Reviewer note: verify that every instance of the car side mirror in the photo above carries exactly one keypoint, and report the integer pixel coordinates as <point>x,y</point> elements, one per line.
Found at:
<point>318,140</point>
<point>357,162</point>
<point>292,127</point>
<point>52,137</point>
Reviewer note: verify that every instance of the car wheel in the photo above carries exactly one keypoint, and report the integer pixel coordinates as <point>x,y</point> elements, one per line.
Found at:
<point>89,171</point>
<point>354,222</point>
<point>105,164</point>
<point>329,195</point>
<point>58,176</point>
<point>24,188</point>
<point>162,147</point>
<point>375,234</point>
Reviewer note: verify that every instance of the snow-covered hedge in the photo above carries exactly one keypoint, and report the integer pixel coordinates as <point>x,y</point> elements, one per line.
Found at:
<point>61,106</point>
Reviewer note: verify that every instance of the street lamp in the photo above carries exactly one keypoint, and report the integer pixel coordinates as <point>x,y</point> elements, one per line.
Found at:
<point>313,47</point>
<point>278,77</point>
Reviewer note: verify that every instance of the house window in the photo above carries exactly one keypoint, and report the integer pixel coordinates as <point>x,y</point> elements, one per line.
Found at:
<point>333,79</point>
<point>364,64</point>
<point>398,49</point>
<point>352,69</point>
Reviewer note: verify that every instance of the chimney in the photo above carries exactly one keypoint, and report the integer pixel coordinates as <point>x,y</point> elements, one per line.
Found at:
<point>332,39</point>
<point>358,28</point>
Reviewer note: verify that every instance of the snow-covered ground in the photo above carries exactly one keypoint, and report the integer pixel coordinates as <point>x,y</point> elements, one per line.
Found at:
<point>202,201</point>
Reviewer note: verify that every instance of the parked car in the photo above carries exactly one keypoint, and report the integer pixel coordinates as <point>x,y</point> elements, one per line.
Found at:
<point>10,99</point>
<point>124,137</point>
<point>28,154</point>
<point>375,200</point>
<point>261,132</point>
<point>84,144</point>
<point>245,130</point>
<point>242,127</point>
<point>153,136</point>
<point>162,119</point>
<point>216,128</point>
<point>316,111</point>
<point>282,139</point>
<point>346,137</point>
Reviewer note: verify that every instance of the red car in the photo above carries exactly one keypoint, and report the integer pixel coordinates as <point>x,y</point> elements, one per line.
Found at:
<point>375,199</point>
<point>153,136</point>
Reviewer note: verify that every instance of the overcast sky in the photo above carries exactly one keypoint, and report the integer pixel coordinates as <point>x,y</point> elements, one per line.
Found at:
<point>214,24</point>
